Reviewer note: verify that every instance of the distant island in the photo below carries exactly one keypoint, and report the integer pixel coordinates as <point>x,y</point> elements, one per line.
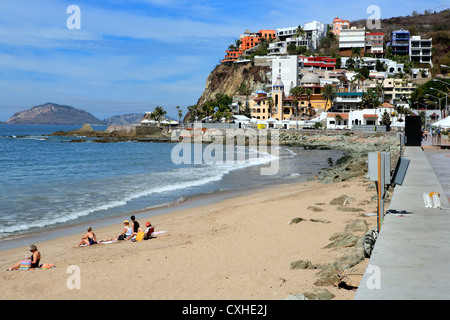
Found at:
<point>126,119</point>
<point>54,114</point>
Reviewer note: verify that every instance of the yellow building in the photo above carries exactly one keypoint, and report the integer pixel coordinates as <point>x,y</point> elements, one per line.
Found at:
<point>281,107</point>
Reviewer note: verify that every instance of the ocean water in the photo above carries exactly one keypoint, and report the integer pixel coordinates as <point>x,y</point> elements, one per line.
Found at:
<point>48,183</point>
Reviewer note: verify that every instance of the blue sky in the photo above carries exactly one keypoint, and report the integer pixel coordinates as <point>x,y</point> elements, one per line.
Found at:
<point>132,55</point>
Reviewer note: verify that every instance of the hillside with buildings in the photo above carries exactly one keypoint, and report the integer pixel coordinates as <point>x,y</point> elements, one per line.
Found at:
<point>337,75</point>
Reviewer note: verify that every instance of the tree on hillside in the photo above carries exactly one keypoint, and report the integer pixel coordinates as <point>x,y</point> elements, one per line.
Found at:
<point>329,94</point>
<point>359,77</point>
<point>245,90</point>
<point>297,93</point>
<point>193,112</point>
<point>379,90</point>
<point>357,53</point>
<point>308,95</point>
<point>370,99</point>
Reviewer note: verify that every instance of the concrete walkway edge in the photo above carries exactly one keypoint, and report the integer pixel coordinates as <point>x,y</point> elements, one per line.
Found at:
<point>411,257</point>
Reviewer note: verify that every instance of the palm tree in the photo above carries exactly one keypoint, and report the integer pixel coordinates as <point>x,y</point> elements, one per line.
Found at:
<point>297,92</point>
<point>359,77</point>
<point>180,114</point>
<point>299,32</point>
<point>193,112</point>
<point>270,103</point>
<point>357,53</point>
<point>308,95</point>
<point>244,89</point>
<point>370,99</point>
<point>379,89</point>
<point>239,104</point>
<point>329,94</point>
<point>158,113</point>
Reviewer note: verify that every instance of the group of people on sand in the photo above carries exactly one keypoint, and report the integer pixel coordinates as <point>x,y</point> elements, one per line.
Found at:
<point>129,232</point>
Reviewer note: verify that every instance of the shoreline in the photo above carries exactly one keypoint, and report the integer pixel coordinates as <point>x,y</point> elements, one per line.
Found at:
<point>194,201</point>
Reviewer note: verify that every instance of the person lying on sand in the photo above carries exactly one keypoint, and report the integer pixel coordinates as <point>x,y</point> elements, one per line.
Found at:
<point>35,259</point>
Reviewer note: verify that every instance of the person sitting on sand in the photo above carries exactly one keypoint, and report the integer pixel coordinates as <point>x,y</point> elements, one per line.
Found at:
<point>89,239</point>
<point>127,233</point>
<point>148,232</point>
<point>135,226</point>
<point>35,259</point>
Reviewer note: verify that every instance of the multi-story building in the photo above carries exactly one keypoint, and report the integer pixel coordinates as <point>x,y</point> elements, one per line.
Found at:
<point>339,24</point>
<point>280,47</point>
<point>317,63</point>
<point>396,91</point>
<point>352,38</point>
<point>400,42</point>
<point>310,38</point>
<point>248,41</point>
<point>288,32</point>
<point>268,34</point>
<point>346,101</point>
<point>314,31</point>
<point>374,44</point>
<point>420,50</point>
<point>286,68</point>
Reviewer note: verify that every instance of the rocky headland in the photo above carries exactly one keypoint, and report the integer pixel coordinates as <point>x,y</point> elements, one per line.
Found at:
<point>54,114</point>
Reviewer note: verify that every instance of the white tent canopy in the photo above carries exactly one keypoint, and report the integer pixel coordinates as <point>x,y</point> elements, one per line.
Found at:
<point>444,123</point>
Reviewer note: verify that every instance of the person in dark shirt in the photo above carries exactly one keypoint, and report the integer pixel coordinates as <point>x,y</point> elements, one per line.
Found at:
<point>135,225</point>
<point>35,259</point>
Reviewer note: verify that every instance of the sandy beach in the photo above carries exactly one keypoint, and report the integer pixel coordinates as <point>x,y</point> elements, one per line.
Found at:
<point>239,248</point>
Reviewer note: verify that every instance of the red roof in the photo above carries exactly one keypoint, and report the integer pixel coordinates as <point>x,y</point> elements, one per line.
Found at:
<point>370,116</point>
<point>333,115</point>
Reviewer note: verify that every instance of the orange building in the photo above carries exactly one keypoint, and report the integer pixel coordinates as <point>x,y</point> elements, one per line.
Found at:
<point>248,41</point>
<point>338,24</point>
<point>268,34</point>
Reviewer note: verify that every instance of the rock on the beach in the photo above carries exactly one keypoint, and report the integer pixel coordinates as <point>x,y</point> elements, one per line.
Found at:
<point>357,226</point>
<point>301,264</point>
<point>332,273</point>
<point>296,220</point>
<point>314,208</point>
<point>342,239</point>
<point>322,294</point>
<point>340,201</point>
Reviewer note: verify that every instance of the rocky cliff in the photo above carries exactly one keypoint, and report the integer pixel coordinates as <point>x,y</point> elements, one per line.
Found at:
<point>54,114</point>
<point>228,80</point>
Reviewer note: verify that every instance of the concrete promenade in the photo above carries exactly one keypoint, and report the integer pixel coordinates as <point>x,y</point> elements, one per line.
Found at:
<point>411,257</point>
